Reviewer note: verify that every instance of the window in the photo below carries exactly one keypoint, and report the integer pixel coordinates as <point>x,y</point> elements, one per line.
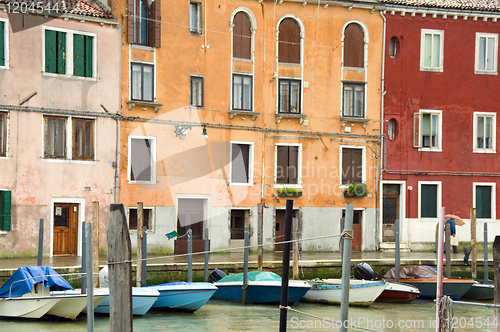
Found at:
<point>484,200</point>
<point>78,60</point>
<point>393,47</point>
<point>431,50</point>
<point>484,132</point>
<point>190,215</point>
<point>242,36</point>
<point>142,82</point>
<point>197,91</point>
<point>148,218</point>
<point>5,210</point>
<point>354,46</point>
<point>429,199</point>
<point>3,134</point>
<point>241,163</point>
<point>392,129</point>
<point>352,165</point>
<point>195,18</point>
<point>289,96</point>
<point>289,42</point>
<point>82,143</point>
<point>142,159</point>
<point>4,43</point>
<point>353,98</point>
<point>486,53</point>
<point>427,130</point>
<point>144,23</point>
<point>242,92</point>
<point>83,139</point>
<point>238,224</point>
<point>288,166</point>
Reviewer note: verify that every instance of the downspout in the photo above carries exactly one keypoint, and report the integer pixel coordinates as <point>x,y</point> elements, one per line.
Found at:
<point>117,155</point>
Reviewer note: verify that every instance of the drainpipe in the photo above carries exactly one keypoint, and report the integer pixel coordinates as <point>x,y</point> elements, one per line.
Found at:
<point>117,156</point>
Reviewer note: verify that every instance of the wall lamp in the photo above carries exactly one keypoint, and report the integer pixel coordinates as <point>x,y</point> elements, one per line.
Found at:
<point>204,132</point>
<point>181,131</point>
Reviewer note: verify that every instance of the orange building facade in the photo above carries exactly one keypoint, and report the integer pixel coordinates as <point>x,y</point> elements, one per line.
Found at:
<point>230,108</point>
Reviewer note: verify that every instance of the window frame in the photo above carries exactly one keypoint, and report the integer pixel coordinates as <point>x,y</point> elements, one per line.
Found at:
<point>6,46</point>
<point>485,71</point>
<point>233,95</point>
<point>432,32</point>
<point>299,183</point>
<point>285,57</point>
<point>140,27</point>
<point>239,40</point>
<point>417,134</point>
<point>153,82</point>
<point>74,146</point>
<point>201,96</point>
<point>65,142</point>
<point>475,148</point>
<point>299,103</point>
<point>353,43</point>
<point>4,134</point>
<point>197,28</point>
<point>69,70</point>
<point>492,185</point>
<point>152,161</point>
<point>438,198</point>
<point>250,163</point>
<point>341,168</point>
<point>152,217</point>
<point>363,106</point>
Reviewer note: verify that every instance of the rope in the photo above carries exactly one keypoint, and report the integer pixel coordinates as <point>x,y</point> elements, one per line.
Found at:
<point>446,313</point>
<point>288,308</point>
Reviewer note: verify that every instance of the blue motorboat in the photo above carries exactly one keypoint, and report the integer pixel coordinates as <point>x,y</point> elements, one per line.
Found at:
<point>183,296</point>
<point>143,299</point>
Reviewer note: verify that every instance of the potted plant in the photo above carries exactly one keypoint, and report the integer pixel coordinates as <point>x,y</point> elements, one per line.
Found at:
<point>289,192</point>
<point>355,190</point>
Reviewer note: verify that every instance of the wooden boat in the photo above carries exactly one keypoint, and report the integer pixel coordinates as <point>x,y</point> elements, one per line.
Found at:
<point>361,292</point>
<point>263,288</point>
<point>397,292</point>
<point>480,291</point>
<point>183,296</point>
<point>425,279</point>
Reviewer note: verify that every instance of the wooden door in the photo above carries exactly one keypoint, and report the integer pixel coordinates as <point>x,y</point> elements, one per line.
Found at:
<point>356,228</point>
<point>390,203</point>
<point>65,229</point>
<point>279,230</point>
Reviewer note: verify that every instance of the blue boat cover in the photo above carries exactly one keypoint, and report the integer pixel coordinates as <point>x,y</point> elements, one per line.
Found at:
<point>25,277</point>
<point>172,284</point>
<point>252,276</point>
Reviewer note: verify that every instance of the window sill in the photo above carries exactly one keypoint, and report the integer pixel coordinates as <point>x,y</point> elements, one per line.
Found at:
<point>279,116</point>
<point>437,70</point>
<point>133,103</point>
<point>3,233</point>
<point>142,47</point>
<point>233,113</point>
<point>430,149</point>
<point>82,78</point>
<point>346,119</point>
<point>484,151</point>
<point>485,72</point>
<point>360,70</point>
<point>287,185</point>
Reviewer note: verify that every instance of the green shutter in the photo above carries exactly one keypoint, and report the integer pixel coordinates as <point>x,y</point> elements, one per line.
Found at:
<point>483,202</point>
<point>78,55</point>
<point>50,51</point>
<point>61,52</point>
<point>2,44</point>
<point>428,200</point>
<point>89,43</point>
<point>5,210</point>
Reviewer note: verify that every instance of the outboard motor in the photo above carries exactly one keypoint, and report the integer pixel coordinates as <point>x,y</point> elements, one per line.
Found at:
<point>216,275</point>
<point>363,271</point>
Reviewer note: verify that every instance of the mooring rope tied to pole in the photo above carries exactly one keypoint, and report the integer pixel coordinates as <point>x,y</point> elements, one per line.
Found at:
<point>324,318</point>
<point>231,249</point>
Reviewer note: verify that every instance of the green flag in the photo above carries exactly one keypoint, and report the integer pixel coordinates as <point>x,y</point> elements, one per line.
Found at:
<point>171,235</point>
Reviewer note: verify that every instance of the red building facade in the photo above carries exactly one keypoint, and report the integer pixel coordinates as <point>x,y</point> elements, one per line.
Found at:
<point>440,117</point>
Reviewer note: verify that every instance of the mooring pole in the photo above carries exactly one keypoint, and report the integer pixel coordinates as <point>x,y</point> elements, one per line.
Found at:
<point>245,264</point>
<point>40,243</point>
<point>473,242</point>
<point>120,270</point>
<point>396,240</point>
<point>95,242</point>
<point>295,236</point>
<point>260,237</point>
<point>485,245</point>
<point>84,259</point>
<point>286,265</point>
<point>90,278</point>
<point>346,267</point>
<point>448,249</point>
<point>439,288</point>
<point>140,223</point>
<point>144,253</point>
<point>206,255</point>
<point>190,255</point>
<point>496,267</point>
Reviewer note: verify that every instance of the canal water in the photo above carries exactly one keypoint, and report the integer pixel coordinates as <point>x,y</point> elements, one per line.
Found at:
<point>219,316</point>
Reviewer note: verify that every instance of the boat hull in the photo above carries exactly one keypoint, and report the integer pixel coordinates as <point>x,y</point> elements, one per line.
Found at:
<point>361,292</point>
<point>396,292</point>
<point>480,291</point>
<point>261,292</point>
<point>31,307</point>
<point>454,288</point>
<point>142,300</point>
<point>187,297</point>
<point>69,306</point>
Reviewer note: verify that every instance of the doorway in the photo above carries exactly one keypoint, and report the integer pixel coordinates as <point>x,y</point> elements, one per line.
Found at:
<point>390,208</point>
<point>190,216</point>
<point>65,229</point>
<point>356,228</point>
<point>279,229</point>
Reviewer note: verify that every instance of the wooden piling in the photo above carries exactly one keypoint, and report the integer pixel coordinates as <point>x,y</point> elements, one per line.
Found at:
<point>95,241</point>
<point>496,268</point>
<point>346,266</point>
<point>90,281</point>
<point>286,265</point>
<point>295,248</point>
<point>140,223</point>
<point>448,250</point>
<point>120,270</point>
<point>245,264</point>
<point>473,242</point>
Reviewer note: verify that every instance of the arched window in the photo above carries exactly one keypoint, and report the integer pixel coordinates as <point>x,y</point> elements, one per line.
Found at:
<point>392,129</point>
<point>393,47</point>
<point>242,36</point>
<point>354,55</point>
<point>289,41</point>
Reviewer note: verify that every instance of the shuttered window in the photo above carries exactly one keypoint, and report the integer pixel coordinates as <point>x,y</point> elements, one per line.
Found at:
<point>82,55</point>
<point>55,52</point>
<point>289,42</point>
<point>55,137</point>
<point>197,91</point>
<point>483,202</point>
<point>240,165</point>
<point>428,200</point>
<point>5,210</point>
<point>352,165</point>
<point>354,46</point>
<point>83,139</point>
<point>144,23</point>
<point>242,39</point>
<point>287,164</point>
<point>2,43</point>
